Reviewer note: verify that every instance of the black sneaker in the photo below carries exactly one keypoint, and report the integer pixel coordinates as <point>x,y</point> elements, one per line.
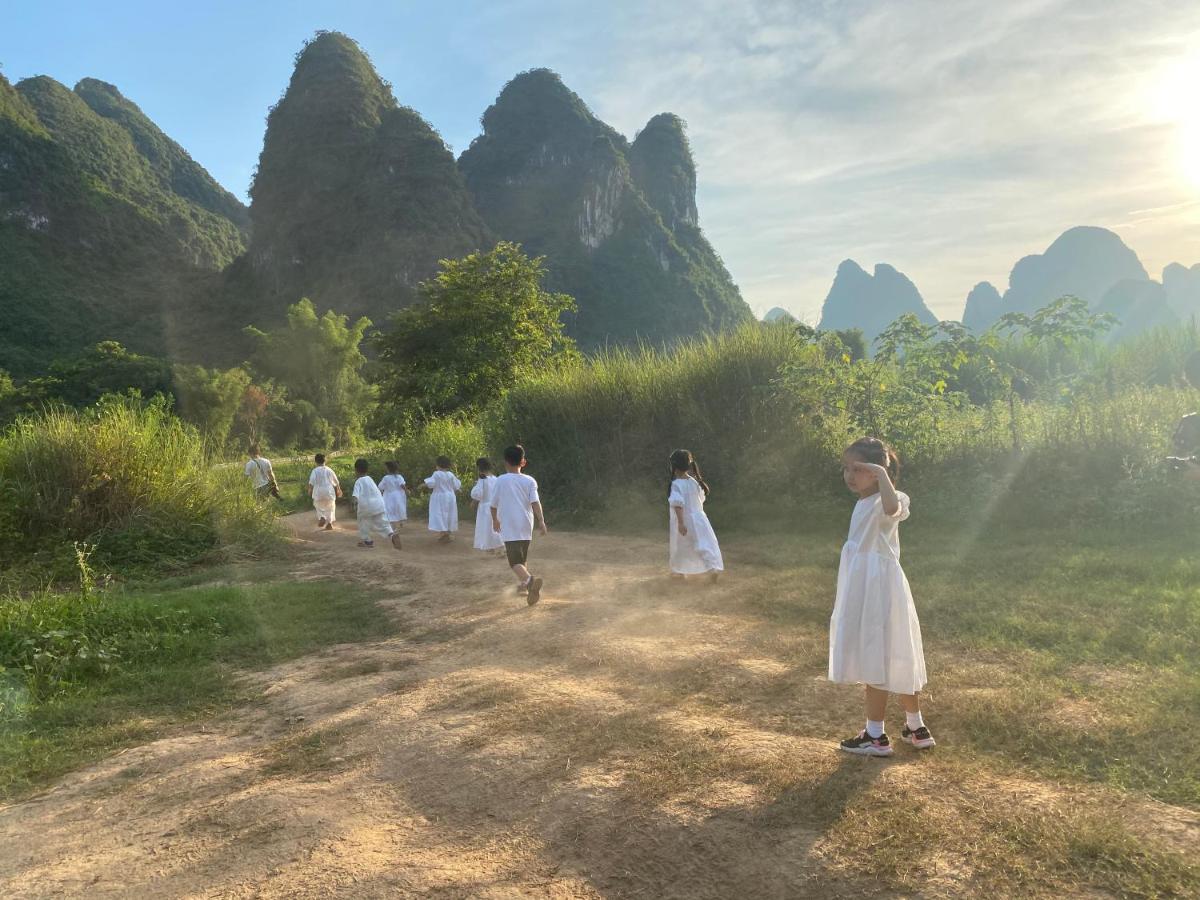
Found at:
<point>535,591</point>
<point>865,745</point>
<point>921,738</point>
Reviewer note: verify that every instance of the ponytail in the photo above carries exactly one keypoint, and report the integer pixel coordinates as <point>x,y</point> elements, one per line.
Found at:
<point>683,461</point>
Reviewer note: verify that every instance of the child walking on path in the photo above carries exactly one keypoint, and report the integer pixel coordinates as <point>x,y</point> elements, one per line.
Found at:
<point>515,506</point>
<point>481,497</point>
<point>874,635</point>
<point>693,543</point>
<point>371,518</point>
<point>324,489</point>
<point>443,504</point>
<point>395,495</point>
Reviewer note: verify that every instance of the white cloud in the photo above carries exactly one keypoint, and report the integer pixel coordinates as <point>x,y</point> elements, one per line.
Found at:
<point>948,139</point>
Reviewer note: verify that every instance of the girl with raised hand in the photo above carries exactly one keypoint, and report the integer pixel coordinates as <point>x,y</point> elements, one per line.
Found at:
<point>874,635</point>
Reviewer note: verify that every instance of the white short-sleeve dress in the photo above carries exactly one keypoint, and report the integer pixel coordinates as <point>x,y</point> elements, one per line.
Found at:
<point>874,634</point>
<point>395,500</point>
<point>443,504</point>
<point>696,552</point>
<point>486,537</point>
<point>325,486</point>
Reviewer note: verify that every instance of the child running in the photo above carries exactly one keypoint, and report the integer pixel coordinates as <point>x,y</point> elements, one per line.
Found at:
<point>694,547</point>
<point>481,497</point>
<point>395,495</point>
<point>515,505</point>
<point>874,635</point>
<point>370,508</point>
<point>324,489</point>
<point>443,504</point>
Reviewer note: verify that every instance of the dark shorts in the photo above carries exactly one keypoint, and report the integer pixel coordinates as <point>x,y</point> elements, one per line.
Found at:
<point>517,551</point>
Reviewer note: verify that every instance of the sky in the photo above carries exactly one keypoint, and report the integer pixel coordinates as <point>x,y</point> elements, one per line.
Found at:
<point>947,139</point>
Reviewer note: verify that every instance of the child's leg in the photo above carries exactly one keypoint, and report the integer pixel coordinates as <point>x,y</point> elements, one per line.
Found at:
<point>876,709</point>
<point>521,572</point>
<point>364,528</point>
<point>910,702</point>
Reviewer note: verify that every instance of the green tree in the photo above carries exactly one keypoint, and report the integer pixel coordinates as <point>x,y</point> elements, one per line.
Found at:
<point>318,363</point>
<point>210,399</point>
<point>482,323</point>
<point>106,368</point>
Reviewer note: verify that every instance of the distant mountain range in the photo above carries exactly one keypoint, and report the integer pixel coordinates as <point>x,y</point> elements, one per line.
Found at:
<point>109,230</point>
<point>1091,263</point>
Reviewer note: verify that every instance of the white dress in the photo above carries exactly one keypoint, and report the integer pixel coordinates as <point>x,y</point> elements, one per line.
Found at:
<point>696,552</point>
<point>874,635</point>
<point>443,504</point>
<point>324,492</point>
<point>395,500</point>
<point>486,537</point>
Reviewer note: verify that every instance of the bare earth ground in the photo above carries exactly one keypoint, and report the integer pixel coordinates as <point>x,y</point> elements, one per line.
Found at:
<point>628,737</point>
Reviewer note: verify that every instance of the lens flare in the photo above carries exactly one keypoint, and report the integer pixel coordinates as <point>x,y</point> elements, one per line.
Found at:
<point>1172,101</point>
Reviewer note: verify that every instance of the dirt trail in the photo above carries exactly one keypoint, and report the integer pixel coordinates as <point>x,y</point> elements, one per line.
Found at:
<point>628,737</point>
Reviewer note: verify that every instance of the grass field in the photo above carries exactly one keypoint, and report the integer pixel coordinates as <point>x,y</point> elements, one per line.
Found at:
<point>83,677</point>
<point>630,736</point>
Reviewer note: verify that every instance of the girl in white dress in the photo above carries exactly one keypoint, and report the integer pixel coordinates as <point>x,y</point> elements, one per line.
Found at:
<point>874,635</point>
<point>395,495</point>
<point>694,547</point>
<point>443,502</point>
<point>486,537</point>
<point>324,489</point>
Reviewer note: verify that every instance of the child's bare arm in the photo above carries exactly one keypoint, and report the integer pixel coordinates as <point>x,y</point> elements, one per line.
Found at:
<point>539,517</point>
<point>679,520</point>
<point>887,490</point>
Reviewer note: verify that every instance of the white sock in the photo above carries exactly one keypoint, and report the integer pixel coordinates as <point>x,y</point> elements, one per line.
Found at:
<point>874,729</point>
<point>914,720</point>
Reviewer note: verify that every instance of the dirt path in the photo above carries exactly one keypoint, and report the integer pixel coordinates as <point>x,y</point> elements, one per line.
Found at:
<point>628,737</point>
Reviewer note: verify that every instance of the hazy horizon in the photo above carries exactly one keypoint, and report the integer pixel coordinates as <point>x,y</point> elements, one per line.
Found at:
<point>947,143</point>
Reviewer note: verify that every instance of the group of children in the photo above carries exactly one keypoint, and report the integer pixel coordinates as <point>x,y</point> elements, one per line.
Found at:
<point>507,508</point>
<point>874,633</point>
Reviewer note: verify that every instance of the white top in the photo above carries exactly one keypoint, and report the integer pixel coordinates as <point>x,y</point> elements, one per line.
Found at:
<point>483,491</point>
<point>443,481</point>
<point>392,483</point>
<point>513,497</point>
<point>366,492</point>
<point>259,468</point>
<point>324,483</point>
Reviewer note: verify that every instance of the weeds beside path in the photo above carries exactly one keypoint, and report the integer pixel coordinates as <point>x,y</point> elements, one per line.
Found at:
<point>626,737</point>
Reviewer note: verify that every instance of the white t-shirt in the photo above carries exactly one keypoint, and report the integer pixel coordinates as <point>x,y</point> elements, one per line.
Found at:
<point>324,483</point>
<point>259,468</point>
<point>513,496</point>
<point>366,492</point>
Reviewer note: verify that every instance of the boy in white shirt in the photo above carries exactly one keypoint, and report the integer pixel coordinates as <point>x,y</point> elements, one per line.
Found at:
<point>324,489</point>
<point>371,516</point>
<point>515,506</point>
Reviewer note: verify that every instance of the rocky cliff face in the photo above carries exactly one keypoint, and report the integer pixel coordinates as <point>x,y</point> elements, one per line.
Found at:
<point>871,302</point>
<point>106,225</point>
<point>983,307</point>
<point>356,198</point>
<point>1182,286</point>
<point>1082,262</point>
<point>617,222</point>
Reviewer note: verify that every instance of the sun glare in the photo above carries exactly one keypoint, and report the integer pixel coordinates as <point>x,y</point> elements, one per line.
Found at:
<point>1173,100</point>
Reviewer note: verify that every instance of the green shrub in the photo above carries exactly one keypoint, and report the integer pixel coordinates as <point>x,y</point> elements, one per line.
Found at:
<point>605,426</point>
<point>128,478</point>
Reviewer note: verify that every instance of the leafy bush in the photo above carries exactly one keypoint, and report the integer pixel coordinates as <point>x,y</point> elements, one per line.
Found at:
<point>127,477</point>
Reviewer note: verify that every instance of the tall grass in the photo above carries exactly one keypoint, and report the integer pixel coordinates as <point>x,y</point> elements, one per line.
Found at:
<point>129,479</point>
<point>603,429</point>
<point>598,433</point>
